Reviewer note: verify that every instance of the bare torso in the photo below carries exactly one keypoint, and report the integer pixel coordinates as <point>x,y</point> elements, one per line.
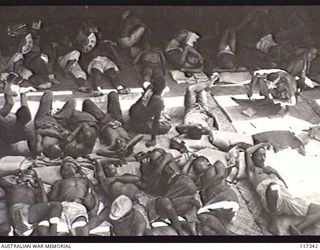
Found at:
<point>21,194</point>
<point>259,175</point>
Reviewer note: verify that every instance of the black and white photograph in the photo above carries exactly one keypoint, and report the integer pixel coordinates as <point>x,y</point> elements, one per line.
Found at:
<point>167,120</point>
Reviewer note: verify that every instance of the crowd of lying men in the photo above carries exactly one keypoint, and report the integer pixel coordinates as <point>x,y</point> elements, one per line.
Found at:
<point>188,193</point>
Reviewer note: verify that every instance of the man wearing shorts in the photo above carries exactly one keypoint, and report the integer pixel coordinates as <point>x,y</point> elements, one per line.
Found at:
<point>78,199</point>
<point>274,194</point>
<point>196,118</point>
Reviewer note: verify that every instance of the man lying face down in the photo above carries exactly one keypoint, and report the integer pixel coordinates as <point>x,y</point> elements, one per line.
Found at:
<point>274,194</point>
<point>197,115</point>
<point>118,143</point>
<point>78,199</point>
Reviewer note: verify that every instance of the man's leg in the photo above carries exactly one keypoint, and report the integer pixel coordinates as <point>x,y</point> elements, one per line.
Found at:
<point>45,107</point>
<point>66,112</point>
<point>224,42</point>
<point>41,214</point>
<point>79,227</point>
<point>97,76</point>
<point>90,107</point>
<point>313,216</point>
<point>190,97</point>
<point>114,108</point>
<point>165,208</point>
<point>115,81</point>
<point>272,200</point>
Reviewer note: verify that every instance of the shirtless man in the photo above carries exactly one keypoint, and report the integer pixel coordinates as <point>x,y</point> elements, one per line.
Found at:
<point>152,62</point>
<point>50,134</point>
<point>274,194</point>
<point>84,127</point>
<point>118,142</point>
<point>300,67</point>
<point>219,199</point>
<point>176,191</point>
<point>276,85</point>
<point>78,199</point>
<point>16,128</point>
<point>135,34</point>
<point>28,204</point>
<point>197,115</point>
<point>182,55</point>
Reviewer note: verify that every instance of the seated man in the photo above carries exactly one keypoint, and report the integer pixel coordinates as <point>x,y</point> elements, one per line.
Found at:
<point>275,85</point>
<point>176,191</point>
<point>28,204</point>
<point>135,34</point>
<point>219,199</point>
<point>274,194</point>
<point>111,132</point>
<point>32,65</point>
<point>78,199</point>
<point>300,67</point>
<point>50,134</point>
<point>145,115</point>
<point>196,118</point>
<point>68,61</point>
<point>182,55</point>
<point>152,62</point>
<point>16,128</point>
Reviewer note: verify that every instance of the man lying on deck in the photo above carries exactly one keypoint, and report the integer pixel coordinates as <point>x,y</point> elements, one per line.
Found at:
<point>152,65</point>
<point>176,191</point>
<point>184,56</point>
<point>84,127</point>
<point>118,143</point>
<point>220,200</point>
<point>78,199</point>
<point>300,66</point>
<point>28,204</point>
<point>16,128</point>
<point>275,85</point>
<point>50,134</point>
<point>197,116</point>
<point>274,193</point>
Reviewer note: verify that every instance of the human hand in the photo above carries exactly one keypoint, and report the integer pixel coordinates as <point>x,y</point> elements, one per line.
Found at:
<point>151,143</point>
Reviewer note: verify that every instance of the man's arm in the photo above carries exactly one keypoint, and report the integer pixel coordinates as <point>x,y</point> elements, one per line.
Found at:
<point>54,193</point>
<point>220,170</point>
<point>5,110</point>
<point>102,179</point>
<point>23,100</point>
<point>138,224</point>
<point>127,178</point>
<point>42,193</point>
<point>249,151</point>
<point>93,211</point>
<point>271,170</point>
<point>165,160</point>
